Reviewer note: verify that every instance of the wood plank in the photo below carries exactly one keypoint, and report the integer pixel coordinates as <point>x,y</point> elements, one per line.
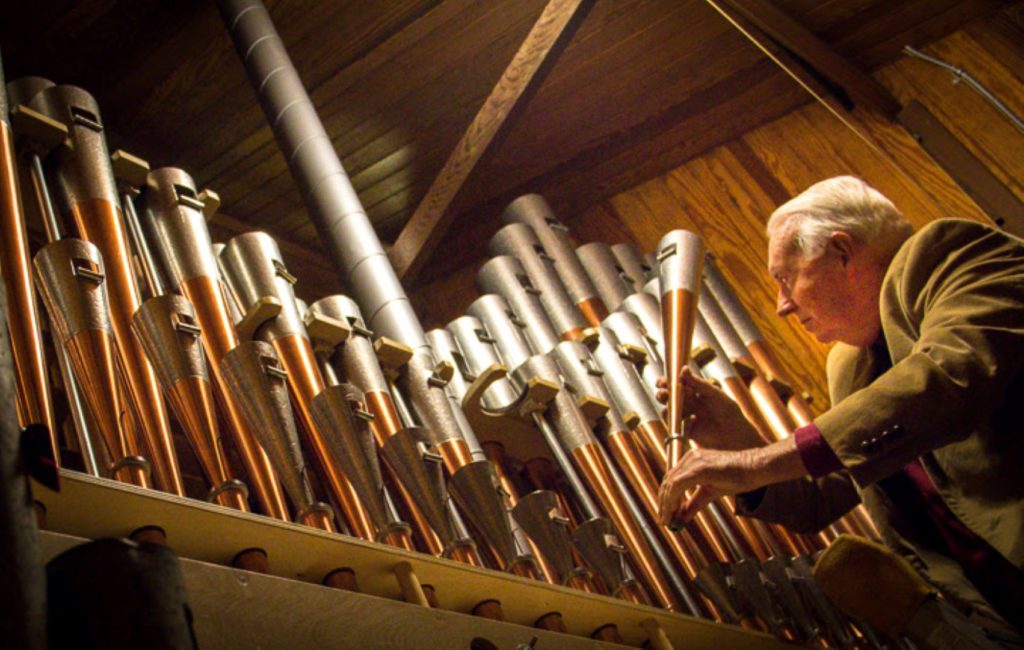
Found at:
<point>552,33</point>
<point>811,50</point>
<point>988,135</point>
<point>970,173</point>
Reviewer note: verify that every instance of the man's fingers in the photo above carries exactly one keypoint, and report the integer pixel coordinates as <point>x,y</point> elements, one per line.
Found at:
<point>699,499</point>
<point>673,490</point>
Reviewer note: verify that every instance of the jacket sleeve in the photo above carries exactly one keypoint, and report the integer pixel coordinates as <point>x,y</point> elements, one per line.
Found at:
<point>954,298</point>
<point>804,505</point>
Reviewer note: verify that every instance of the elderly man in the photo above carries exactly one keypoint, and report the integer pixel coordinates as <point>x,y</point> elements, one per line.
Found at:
<point>927,418</point>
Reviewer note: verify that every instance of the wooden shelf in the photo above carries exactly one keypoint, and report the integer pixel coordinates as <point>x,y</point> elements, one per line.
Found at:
<point>90,508</point>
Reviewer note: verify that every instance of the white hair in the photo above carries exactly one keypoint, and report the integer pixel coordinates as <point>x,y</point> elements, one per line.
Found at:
<point>846,204</point>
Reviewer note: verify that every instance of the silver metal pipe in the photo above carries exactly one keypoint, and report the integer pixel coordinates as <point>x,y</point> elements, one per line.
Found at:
<point>520,241</point>
<point>476,347</point>
<point>505,276</point>
<point>610,280</point>
<point>138,239</point>
<point>534,211</point>
<point>730,305</point>
<point>643,349</point>
<point>326,189</point>
<point>632,263</point>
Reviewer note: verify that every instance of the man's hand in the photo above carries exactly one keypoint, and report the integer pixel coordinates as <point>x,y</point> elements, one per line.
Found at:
<point>713,473</point>
<point>719,423</point>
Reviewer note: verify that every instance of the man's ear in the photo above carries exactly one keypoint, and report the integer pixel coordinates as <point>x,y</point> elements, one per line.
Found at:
<point>842,244</point>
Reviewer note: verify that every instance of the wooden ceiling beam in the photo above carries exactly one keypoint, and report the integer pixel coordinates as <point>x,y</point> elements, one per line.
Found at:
<point>793,46</point>
<point>547,39</point>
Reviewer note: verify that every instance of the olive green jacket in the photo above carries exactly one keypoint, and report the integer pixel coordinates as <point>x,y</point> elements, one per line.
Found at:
<point>952,310</point>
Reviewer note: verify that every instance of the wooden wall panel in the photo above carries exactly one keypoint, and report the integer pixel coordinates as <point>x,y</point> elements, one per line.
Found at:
<point>727,193</point>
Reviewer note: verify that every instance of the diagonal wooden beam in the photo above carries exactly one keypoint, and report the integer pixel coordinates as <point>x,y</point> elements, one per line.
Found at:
<point>822,66</point>
<point>547,39</point>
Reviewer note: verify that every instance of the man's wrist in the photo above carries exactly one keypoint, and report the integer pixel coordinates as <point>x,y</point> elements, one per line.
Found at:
<point>779,461</point>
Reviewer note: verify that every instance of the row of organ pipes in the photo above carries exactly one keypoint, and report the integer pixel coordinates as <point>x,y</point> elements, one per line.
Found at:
<point>523,436</point>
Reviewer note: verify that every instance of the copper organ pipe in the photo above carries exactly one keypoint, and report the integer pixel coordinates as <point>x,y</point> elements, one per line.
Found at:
<point>173,222</point>
<point>165,325</point>
<point>680,258</point>
<point>356,361</point>
<point>255,273</point>
<point>32,389</point>
<point>85,187</point>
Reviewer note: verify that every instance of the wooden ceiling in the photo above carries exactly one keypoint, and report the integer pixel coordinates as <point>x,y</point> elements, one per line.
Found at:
<point>643,86</point>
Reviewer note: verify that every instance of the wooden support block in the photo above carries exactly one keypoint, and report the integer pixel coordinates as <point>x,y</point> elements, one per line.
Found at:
<point>702,355</point>
<point>210,201</point>
<point>631,419</point>
<point>42,132</point>
<point>391,354</point>
<point>590,337</point>
<point>539,393</point>
<point>593,408</point>
<point>635,354</point>
<point>656,636</point>
<point>782,388</point>
<point>260,312</point>
<point>252,559</point>
<point>412,591</point>
<point>129,169</point>
<point>327,333</point>
<point>746,371</point>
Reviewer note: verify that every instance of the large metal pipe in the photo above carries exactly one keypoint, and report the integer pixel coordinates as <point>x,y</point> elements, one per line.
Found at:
<point>255,272</point>
<point>348,235</point>
<point>751,337</point>
<point>326,189</point>
<point>356,362</point>
<point>583,374</point>
<point>505,276</point>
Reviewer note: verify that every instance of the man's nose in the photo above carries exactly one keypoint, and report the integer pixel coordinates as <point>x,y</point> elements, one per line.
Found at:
<point>784,305</point>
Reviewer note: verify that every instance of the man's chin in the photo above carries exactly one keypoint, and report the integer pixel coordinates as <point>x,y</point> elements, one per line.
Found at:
<point>822,337</point>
